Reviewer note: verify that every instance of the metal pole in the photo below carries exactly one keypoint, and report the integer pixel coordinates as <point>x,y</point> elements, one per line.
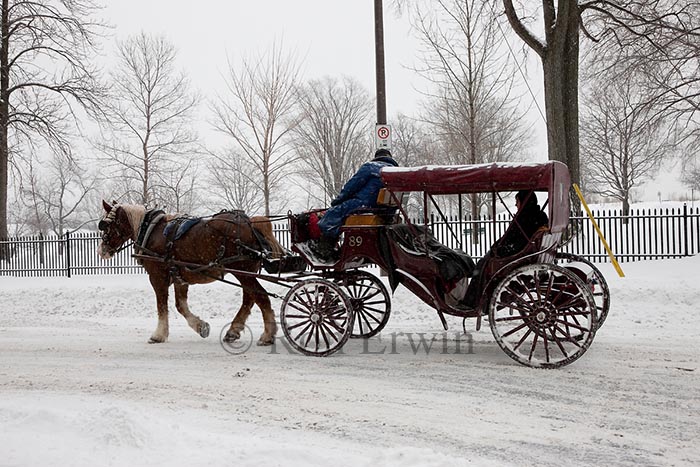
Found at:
<point>379,65</point>
<point>379,57</point>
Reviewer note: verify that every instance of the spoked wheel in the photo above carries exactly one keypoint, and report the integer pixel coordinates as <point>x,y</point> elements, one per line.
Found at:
<point>543,315</point>
<point>316,317</point>
<point>370,302</point>
<point>593,278</point>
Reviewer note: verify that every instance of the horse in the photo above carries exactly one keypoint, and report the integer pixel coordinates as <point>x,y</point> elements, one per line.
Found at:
<point>200,255</point>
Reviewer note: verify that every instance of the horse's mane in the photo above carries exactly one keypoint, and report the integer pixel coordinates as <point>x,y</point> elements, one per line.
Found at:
<point>135,214</point>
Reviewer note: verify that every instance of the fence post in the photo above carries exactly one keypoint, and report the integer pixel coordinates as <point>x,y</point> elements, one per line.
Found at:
<point>685,228</point>
<point>68,253</point>
<point>40,245</point>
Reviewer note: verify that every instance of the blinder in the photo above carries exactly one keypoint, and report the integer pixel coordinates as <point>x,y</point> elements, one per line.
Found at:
<point>108,235</point>
<point>109,218</point>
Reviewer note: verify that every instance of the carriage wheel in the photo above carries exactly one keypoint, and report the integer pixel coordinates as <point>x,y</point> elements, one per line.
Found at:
<point>370,301</point>
<point>316,317</point>
<point>594,279</point>
<point>543,315</point>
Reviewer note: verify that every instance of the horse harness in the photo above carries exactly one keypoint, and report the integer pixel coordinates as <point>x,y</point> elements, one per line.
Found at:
<point>150,220</point>
<point>179,226</point>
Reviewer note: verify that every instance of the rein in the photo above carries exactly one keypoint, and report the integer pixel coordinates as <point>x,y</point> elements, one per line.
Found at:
<point>124,247</point>
<point>279,217</point>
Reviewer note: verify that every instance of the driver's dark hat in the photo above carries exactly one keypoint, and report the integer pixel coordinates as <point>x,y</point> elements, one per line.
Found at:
<point>382,152</point>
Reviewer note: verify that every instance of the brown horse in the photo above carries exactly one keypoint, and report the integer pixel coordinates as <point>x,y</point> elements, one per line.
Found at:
<point>228,240</point>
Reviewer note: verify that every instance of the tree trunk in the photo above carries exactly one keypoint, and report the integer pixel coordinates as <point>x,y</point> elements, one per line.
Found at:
<point>4,121</point>
<point>146,160</point>
<point>560,66</point>
<point>560,55</point>
<point>473,156</point>
<point>266,193</point>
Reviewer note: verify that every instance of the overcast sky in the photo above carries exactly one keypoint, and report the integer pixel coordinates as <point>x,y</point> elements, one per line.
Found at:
<point>334,37</point>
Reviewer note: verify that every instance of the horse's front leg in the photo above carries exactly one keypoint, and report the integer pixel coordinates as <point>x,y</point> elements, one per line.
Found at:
<point>160,287</point>
<point>200,326</point>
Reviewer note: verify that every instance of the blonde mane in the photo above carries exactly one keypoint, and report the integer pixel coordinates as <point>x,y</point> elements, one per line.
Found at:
<point>135,214</point>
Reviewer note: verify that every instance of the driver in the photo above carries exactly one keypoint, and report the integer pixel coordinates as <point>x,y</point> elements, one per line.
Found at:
<point>358,193</point>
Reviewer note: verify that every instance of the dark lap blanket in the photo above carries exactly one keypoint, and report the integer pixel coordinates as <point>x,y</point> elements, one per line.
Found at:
<point>453,265</point>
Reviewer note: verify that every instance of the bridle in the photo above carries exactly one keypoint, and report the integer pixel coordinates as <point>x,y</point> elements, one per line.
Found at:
<point>104,226</point>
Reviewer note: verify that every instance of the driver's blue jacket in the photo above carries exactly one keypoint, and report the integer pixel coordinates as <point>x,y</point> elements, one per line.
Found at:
<point>359,192</point>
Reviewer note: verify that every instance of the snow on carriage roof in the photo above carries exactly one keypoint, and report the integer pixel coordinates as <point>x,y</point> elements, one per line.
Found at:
<point>495,176</point>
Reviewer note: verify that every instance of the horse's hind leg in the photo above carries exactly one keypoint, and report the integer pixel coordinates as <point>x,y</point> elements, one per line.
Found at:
<point>238,324</point>
<point>263,302</point>
<point>200,326</point>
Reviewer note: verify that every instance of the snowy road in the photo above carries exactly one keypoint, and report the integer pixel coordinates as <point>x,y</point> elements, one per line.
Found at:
<point>80,386</point>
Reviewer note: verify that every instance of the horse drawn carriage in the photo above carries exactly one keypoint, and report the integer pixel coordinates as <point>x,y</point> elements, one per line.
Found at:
<point>543,306</point>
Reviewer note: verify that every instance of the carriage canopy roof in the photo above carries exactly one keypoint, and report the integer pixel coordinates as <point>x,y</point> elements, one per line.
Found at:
<point>552,177</point>
<point>478,178</point>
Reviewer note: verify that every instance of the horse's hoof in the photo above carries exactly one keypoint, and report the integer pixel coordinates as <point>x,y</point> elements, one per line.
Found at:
<point>231,336</point>
<point>156,340</point>
<point>204,329</point>
<point>265,342</point>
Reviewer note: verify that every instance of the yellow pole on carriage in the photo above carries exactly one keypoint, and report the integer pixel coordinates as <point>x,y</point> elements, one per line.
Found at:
<point>600,234</point>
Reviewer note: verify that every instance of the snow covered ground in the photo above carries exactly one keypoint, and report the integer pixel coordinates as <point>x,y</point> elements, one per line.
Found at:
<point>79,385</point>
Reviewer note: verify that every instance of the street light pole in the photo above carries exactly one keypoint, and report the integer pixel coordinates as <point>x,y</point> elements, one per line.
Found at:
<point>379,57</point>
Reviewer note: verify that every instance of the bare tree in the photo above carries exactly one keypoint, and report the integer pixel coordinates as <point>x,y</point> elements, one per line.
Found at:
<point>256,113</point>
<point>45,52</point>
<point>149,133</point>
<point>624,138</point>
<point>559,52</point>
<point>473,104</point>
<point>179,188</point>
<point>234,182</point>
<point>331,139</point>
<point>691,176</point>
<point>619,22</point>
<point>56,194</point>
<point>669,63</point>
<point>473,108</point>
<point>411,143</point>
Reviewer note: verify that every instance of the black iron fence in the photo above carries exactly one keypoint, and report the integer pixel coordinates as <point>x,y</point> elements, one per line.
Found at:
<point>643,235</point>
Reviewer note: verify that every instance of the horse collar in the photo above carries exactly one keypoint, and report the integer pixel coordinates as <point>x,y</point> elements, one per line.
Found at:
<point>150,219</point>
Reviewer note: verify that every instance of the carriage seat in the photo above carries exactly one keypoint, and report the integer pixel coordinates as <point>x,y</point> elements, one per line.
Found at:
<point>384,213</point>
<point>540,240</point>
<point>364,219</point>
<point>533,244</point>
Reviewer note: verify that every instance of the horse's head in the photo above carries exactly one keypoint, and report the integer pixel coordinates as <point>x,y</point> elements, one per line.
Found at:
<point>116,229</point>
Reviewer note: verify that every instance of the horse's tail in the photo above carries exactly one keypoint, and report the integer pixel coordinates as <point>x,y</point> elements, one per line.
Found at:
<point>263,225</point>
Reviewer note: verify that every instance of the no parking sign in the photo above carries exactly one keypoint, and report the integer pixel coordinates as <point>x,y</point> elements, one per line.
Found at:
<point>382,136</point>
